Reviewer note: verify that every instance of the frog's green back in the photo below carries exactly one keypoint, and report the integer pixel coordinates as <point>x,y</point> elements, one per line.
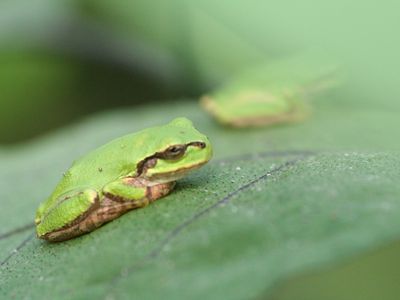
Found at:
<point>120,157</point>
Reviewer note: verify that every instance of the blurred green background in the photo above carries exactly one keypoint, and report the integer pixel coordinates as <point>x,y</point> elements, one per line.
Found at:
<point>61,60</point>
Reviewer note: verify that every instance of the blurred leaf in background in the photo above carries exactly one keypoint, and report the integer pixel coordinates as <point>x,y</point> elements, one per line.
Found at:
<point>55,67</point>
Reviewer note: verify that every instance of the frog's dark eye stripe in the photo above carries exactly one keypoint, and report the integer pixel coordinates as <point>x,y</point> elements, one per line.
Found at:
<point>201,145</point>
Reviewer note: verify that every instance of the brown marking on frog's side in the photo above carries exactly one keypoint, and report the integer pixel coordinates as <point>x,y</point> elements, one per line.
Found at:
<point>109,208</point>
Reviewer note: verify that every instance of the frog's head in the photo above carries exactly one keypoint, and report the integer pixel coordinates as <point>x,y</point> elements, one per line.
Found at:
<point>182,149</point>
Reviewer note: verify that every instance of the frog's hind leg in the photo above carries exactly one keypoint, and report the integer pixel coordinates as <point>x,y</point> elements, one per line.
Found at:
<point>64,219</point>
<point>86,210</point>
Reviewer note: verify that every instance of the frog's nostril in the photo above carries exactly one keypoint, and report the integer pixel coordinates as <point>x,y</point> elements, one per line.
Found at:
<point>202,145</point>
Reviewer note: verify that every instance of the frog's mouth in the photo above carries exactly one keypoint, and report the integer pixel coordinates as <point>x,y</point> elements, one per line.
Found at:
<point>171,163</point>
<point>164,177</point>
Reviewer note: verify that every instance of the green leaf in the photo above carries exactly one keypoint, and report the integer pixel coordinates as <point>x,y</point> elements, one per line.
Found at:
<point>272,203</point>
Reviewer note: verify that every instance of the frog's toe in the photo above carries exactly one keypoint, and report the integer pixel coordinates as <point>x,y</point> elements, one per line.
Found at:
<point>55,224</point>
<point>39,214</point>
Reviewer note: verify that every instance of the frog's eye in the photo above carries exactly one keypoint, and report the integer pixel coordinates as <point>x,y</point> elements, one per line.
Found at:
<point>175,151</point>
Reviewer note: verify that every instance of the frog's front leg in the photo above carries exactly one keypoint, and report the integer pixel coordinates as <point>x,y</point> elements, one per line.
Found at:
<point>123,195</point>
<point>128,193</point>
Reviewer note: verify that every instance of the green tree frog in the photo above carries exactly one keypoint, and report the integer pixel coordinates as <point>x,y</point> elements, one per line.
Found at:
<point>270,93</point>
<point>128,172</point>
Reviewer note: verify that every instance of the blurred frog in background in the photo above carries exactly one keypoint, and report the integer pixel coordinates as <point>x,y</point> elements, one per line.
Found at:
<point>277,92</point>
